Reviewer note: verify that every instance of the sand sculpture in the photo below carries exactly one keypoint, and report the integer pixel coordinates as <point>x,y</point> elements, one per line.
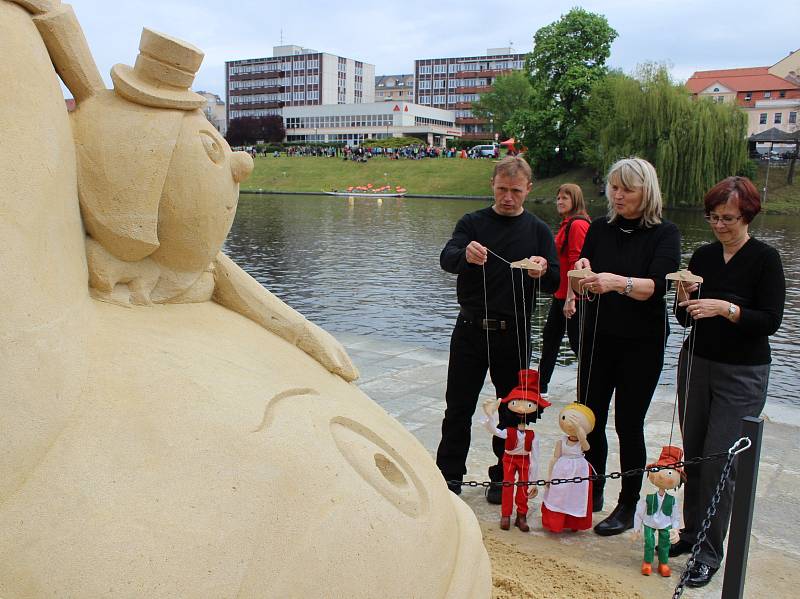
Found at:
<point>169,428</point>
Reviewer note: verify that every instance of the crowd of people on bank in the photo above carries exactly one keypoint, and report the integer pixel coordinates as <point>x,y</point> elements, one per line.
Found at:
<point>621,301</point>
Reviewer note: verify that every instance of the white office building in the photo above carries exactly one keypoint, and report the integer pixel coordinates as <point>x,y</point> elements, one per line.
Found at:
<point>353,123</point>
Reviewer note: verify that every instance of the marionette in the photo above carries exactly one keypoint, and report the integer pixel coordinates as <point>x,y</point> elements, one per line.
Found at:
<point>521,457</point>
<point>569,505</point>
<point>657,513</point>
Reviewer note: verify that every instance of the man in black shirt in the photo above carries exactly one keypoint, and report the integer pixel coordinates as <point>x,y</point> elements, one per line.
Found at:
<point>496,303</point>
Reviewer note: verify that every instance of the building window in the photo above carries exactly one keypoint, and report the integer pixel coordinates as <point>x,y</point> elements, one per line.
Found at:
<point>767,94</point>
<point>778,117</point>
<point>793,117</point>
<point>762,118</point>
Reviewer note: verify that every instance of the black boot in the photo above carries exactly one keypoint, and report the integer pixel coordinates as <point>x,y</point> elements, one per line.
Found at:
<point>597,499</point>
<point>618,521</point>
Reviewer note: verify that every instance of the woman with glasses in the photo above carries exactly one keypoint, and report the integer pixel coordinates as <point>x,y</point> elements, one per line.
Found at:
<point>737,308</point>
<point>630,250</point>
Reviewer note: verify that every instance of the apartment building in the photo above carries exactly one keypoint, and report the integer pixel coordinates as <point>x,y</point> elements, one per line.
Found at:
<point>769,95</point>
<point>455,83</point>
<point>394,88</point>
<point>295,76</point>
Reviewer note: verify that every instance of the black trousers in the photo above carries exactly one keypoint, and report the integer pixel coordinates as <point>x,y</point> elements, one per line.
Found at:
<point>552,335</point>
<point>466,374</point>
<point>711,411</point>
<point>627,369</point>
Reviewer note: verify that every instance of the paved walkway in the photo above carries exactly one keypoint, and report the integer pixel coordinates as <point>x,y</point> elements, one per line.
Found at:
<point>408,381</point>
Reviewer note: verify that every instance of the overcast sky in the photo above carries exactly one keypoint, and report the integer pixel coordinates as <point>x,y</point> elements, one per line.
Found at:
<point>687,34</point>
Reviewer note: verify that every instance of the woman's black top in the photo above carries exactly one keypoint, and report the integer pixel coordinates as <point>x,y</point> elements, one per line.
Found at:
<point>628,249</point>
<point>752,279</point>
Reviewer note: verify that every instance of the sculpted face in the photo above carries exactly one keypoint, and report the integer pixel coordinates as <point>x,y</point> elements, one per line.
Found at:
<point>200,194</point>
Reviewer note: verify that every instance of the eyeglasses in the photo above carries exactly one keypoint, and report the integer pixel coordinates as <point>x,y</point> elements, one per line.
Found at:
<point>726,219</point>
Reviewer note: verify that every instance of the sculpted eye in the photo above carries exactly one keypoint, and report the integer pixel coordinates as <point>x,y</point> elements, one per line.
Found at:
<point>212,147</point>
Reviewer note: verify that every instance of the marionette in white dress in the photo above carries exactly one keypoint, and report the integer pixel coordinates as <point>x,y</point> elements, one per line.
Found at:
<point>569,505</point>
<point>521,457</point>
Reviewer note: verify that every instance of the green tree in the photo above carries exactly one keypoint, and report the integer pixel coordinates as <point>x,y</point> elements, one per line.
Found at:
<point>568,58</point>
<point>509,93</point>
<point>692,143</point>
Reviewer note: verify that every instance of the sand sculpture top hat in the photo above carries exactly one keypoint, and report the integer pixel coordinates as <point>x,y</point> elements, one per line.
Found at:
<point>162,75</point>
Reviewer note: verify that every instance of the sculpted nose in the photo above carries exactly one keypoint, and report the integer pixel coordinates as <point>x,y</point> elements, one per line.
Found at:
<point>241,166</point>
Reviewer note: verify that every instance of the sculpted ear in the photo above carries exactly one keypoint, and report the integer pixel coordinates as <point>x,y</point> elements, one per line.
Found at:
<point>124,152</point>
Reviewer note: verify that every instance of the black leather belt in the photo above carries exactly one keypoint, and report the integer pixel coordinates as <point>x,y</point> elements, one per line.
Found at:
<point>486,324</point>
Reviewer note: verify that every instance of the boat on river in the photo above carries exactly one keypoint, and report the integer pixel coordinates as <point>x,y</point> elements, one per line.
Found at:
<point>369,191</point>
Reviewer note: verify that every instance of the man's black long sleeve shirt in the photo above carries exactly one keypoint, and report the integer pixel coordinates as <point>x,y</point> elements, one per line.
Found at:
<point>513,238</point>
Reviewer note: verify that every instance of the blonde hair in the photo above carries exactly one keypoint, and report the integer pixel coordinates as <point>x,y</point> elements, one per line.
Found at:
<point>582,409</point>
<point>578,203</point>
<point>511,166</point>
<point>636,173</point>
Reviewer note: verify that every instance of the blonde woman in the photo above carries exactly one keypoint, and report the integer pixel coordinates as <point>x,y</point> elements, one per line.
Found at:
<point>630,251</point>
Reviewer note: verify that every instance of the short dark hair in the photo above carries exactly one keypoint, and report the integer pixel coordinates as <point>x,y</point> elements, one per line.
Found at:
<point>739,188</point>
<point>511,166</point>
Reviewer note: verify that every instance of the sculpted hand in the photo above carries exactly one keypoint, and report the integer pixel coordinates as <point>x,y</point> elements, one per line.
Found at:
<point>534,274</point>
<point>476,253</point>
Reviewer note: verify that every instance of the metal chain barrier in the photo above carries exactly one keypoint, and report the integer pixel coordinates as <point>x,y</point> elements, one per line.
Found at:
<point>711,512</point>
<point>592,477</point>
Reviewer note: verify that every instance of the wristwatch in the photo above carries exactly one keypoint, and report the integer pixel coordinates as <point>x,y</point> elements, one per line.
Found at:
<point>732,310</point>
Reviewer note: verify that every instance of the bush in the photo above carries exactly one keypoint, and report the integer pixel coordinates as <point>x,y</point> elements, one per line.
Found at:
<point>749,169</point>
<point>392,142</point>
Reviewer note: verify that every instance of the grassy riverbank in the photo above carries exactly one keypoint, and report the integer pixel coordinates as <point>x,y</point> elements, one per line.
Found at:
<point>452,176</point>
<point>435,176</point>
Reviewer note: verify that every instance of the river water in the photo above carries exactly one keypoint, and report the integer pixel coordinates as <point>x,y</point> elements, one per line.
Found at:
<point>371,267</point>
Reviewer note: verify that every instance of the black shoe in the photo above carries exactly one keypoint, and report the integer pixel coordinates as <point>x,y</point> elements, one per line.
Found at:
<point>618,521</point>
<point>454,486</point>
<point>700,575</point>
<point>680,548</point>
<point>494,494</point>
<point>597,502</point>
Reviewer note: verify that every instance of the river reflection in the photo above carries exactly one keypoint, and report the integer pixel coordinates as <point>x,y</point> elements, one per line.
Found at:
<point>372,268</point>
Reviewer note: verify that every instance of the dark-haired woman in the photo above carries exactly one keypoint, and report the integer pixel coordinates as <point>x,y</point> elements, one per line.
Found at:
<point>569,242</point>
<point>737,308</point>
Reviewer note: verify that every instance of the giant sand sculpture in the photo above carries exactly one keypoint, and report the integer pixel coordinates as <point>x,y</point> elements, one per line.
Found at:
<point>168,427</point>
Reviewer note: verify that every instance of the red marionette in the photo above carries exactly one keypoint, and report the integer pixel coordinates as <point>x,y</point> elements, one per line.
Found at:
<point>521,457</point>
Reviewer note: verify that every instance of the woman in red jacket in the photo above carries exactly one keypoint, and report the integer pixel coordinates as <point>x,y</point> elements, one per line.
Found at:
<point>569,241</point>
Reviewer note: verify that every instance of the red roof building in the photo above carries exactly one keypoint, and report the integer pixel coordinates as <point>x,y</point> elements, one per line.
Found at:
<point>770,95</point>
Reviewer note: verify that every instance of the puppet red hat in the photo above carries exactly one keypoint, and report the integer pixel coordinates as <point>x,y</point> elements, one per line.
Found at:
<point>528,388</point>
<point>669,455</point>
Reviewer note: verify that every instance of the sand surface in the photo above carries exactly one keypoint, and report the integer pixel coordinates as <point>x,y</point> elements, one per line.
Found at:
<point>520,574</point>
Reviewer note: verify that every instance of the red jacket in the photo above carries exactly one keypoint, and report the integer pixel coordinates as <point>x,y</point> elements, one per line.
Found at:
<point>566,260</point>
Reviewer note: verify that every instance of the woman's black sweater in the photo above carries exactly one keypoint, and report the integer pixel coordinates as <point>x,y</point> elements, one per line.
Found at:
<point>752,279</point>
<point>628,249</point>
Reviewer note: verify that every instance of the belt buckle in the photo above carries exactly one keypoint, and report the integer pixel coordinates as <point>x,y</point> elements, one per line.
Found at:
<point>492,324</point>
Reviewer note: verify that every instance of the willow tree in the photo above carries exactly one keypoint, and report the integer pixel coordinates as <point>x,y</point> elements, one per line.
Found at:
<point>692,143</point>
